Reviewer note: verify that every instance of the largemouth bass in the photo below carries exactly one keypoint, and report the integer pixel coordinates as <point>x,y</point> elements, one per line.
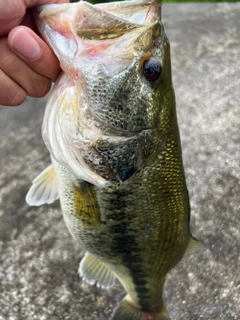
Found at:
<point>110,126</point>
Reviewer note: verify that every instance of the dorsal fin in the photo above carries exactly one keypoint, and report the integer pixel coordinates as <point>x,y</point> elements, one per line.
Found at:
<point>93,271</point>
<point>44,188</point>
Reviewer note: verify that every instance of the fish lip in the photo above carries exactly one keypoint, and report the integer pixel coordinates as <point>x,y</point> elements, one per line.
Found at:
<point>44,9</point>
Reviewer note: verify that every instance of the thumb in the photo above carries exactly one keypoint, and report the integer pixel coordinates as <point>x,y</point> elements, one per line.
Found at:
<point>34,51</point>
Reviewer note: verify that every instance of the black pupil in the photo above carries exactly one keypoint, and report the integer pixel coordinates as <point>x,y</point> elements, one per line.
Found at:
<point>151,69</point>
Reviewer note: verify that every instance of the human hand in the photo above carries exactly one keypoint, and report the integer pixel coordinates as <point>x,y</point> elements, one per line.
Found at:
<point>27,64</point>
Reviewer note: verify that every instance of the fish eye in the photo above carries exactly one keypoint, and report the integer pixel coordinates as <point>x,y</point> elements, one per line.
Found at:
<point>151,69</point>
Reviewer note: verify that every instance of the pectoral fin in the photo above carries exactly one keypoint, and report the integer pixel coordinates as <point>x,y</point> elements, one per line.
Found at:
<point>93,271</point>
<point>86,207</point>
<point>44,188</point>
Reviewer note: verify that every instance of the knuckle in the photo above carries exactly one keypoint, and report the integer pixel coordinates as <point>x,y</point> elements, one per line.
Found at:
<point>18,99</point>
<point>11,93</point>
<point>7,58</point>
<point>40,87</point>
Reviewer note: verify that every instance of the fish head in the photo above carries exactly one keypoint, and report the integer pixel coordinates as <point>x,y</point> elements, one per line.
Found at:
<point>103,117</point>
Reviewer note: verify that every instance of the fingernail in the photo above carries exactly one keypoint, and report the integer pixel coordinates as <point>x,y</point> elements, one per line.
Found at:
<point>25,45</point>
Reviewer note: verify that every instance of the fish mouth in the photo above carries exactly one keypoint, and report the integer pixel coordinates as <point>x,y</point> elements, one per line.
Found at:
<point>71,27</point>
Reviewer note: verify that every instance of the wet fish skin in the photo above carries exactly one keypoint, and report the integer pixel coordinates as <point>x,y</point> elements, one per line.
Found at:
<point>115,147</point>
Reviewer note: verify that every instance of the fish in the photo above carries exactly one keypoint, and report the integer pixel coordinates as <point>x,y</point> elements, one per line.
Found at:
<point>111,129</point>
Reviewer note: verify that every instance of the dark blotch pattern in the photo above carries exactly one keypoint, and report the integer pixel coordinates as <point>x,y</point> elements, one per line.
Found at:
<point>126,246</point>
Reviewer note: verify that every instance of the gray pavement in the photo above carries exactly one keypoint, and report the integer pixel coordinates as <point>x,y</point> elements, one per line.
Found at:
<point>38,257</point>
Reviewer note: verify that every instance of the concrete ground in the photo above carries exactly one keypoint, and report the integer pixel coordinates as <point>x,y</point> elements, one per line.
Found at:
<point>38,257</point>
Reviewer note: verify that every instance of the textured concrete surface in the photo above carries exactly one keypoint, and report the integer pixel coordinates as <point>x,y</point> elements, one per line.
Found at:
<point>39,259</point>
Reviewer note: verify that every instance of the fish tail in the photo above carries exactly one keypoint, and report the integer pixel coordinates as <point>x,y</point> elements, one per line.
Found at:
<point>128,311</point>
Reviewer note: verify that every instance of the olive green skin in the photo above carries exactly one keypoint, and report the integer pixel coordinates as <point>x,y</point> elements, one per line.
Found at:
<point>139,228</point>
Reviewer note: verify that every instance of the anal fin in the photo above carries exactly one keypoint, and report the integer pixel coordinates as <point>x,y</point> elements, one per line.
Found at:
<point>93,271</point>
<point>44,188</point>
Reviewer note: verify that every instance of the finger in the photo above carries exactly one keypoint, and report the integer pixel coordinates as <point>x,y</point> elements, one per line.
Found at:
<point>15,68</point>
<point>10,15</point>
<point>34,51</point>
<point>11,93</point>
<point>34,3</point>
<point>13,12</point>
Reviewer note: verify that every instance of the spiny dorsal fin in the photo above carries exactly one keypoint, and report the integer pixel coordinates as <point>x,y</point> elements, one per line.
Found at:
<point>44,188</point>
<point>93,271</point>
<point>193,245</point>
